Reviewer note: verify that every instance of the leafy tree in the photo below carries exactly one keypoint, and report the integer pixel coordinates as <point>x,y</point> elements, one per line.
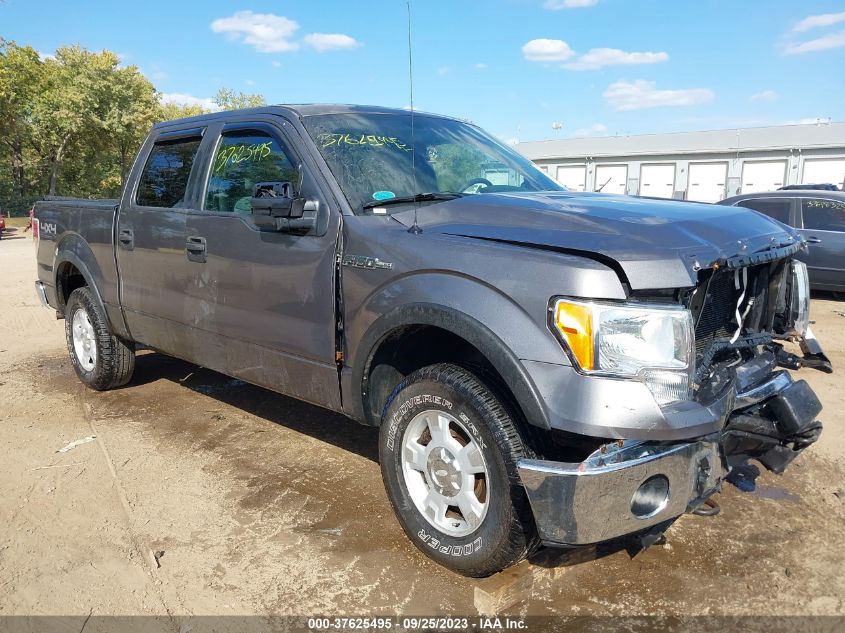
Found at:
<point>72,123</point>
<point>133,108</point>
<point>228,99</point>
<point>20,83</point>
<point>170,111</point>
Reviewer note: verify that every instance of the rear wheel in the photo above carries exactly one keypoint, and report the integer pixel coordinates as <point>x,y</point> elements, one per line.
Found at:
<point>101,359</point>
<point>448,453</point>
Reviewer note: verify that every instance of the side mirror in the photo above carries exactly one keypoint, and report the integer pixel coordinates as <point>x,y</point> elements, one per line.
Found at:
<point>277,207</point>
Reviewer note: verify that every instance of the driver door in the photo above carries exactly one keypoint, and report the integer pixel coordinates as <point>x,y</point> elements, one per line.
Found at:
<point>264,301</point>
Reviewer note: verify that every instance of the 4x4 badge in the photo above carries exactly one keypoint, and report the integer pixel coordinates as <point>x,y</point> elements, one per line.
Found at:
<point>361,261</point>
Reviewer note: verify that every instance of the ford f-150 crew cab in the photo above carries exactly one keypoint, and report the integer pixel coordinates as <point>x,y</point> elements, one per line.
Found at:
<point>546,367</point>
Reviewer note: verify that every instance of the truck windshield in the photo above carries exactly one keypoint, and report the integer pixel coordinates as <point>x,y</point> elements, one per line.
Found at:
<point>370,155</point>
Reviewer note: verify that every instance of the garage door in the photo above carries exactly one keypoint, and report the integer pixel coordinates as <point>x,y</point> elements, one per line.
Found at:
<point>611,178</point>
<point>822,171</point>
<point>764,175</point>
<point>657,180</point>
<point>573,177</point>
<point>706,182</point>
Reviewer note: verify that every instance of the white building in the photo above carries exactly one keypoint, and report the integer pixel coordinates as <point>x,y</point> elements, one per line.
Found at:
<point>702,166</point>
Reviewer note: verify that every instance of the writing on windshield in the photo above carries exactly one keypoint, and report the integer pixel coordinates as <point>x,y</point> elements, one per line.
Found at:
<point>371,140</point>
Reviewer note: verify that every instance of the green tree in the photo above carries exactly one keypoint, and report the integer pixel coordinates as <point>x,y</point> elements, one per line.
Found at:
<point>69,112</point>
<point>228,99</point>
<point>132,108</point>
<point>170,111</point>
<point>72,123</point>
<point>20,84</point>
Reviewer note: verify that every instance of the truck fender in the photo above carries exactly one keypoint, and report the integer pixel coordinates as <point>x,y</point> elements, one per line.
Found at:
<point>500,356</point>
<point>71,250</point>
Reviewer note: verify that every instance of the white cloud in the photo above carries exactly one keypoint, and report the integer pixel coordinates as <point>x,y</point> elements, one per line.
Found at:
<point>265,32</point>
<point>640,94</point>
<point>185,99</point>
<point>815,21</point>
<point>596,129</point>
<point>276,63</point>
<point>544,50</point>
<point>443,70</point>
<point>322,42</point>
<point>45,56</point>
<point>597,58</point>
<point>766,95</point>
<point>481,65</point>
<point>826,42</point>
<point>557,5</point>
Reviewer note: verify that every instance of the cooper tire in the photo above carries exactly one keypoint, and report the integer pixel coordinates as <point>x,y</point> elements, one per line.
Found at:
<point>101,360</point>
<point>473,539</point>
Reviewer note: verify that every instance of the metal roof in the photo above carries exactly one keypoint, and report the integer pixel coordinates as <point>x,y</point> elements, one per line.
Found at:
<point>755,139</point>
<point>303,110</point>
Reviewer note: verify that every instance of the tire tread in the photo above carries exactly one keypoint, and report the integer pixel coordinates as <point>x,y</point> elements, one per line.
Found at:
<point>115,356</point>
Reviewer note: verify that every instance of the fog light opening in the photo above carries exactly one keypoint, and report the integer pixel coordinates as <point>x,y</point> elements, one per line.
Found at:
<point>651,497</point>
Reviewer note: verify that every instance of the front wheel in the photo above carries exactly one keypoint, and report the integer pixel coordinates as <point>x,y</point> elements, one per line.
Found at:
<point>448,450</point>
<point>101,359</point>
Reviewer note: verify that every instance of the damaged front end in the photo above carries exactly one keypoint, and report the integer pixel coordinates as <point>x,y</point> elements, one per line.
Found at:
<point>744,311</point>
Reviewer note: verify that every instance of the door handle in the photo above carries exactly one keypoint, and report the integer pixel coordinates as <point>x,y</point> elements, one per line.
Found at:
<point>195,247</point>
<point>813,240</point>
<point>126,239</point>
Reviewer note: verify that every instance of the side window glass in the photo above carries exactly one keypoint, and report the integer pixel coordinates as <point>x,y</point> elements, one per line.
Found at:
<point>165,177</point>
<point>823,215</point>
<point>242,159</point>
<point>776,208</point>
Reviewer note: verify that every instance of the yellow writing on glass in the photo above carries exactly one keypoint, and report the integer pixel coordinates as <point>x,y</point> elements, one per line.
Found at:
<point>236,154</point>
<point>369,140</point>
<point>823,204</point>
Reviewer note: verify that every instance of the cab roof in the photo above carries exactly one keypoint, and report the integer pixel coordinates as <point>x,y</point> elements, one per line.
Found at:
<point>299,111</point>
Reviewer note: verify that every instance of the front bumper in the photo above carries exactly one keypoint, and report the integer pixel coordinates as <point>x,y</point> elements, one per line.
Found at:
<point>590,502</point>
<point>629,486</point>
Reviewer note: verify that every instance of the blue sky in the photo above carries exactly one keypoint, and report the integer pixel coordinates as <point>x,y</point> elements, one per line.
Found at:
<point>513,66</point>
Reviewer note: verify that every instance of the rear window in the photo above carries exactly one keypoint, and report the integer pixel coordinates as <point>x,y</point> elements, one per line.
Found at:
<point>165,177</point>
<point>823,215</point>
<point>776,208</point>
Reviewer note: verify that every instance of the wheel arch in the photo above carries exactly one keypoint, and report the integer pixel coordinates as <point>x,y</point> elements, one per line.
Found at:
<point>72,269</point>
<point>428,333</point>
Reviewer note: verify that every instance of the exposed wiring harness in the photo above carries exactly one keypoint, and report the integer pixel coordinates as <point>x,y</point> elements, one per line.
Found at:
<point>740,316</point>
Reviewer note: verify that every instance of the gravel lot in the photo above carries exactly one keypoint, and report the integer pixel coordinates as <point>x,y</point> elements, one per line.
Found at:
<point>205,495</point>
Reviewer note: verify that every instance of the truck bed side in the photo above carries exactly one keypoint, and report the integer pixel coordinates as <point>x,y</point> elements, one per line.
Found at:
<point>76,243</point>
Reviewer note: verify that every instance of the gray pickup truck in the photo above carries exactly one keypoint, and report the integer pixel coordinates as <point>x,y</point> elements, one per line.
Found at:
<point>546,367</point>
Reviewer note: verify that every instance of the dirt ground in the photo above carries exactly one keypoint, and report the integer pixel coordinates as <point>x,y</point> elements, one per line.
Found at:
<point>205,495</point>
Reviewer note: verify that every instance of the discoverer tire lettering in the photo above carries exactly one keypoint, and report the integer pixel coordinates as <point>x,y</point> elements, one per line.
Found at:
<point>468,412</point>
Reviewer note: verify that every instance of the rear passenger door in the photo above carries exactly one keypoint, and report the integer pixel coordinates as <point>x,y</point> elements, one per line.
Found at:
<point>150,241</point>
<point>264,301</point>
<point>823,226</point>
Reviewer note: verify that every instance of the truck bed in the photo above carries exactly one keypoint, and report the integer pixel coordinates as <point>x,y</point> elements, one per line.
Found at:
<point>85,229</point>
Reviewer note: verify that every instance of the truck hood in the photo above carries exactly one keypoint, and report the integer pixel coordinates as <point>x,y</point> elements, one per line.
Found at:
<point>653,243</point>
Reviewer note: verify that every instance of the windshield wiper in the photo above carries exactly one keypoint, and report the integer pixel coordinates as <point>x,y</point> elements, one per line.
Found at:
<point>420,197</point>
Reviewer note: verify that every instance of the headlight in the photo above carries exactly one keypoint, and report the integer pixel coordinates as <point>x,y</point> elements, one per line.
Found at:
<point>799,298</point>
<point>653,343</point>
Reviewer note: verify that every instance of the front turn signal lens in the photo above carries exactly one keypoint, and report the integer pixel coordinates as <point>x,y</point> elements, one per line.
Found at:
<point>575,324</point>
